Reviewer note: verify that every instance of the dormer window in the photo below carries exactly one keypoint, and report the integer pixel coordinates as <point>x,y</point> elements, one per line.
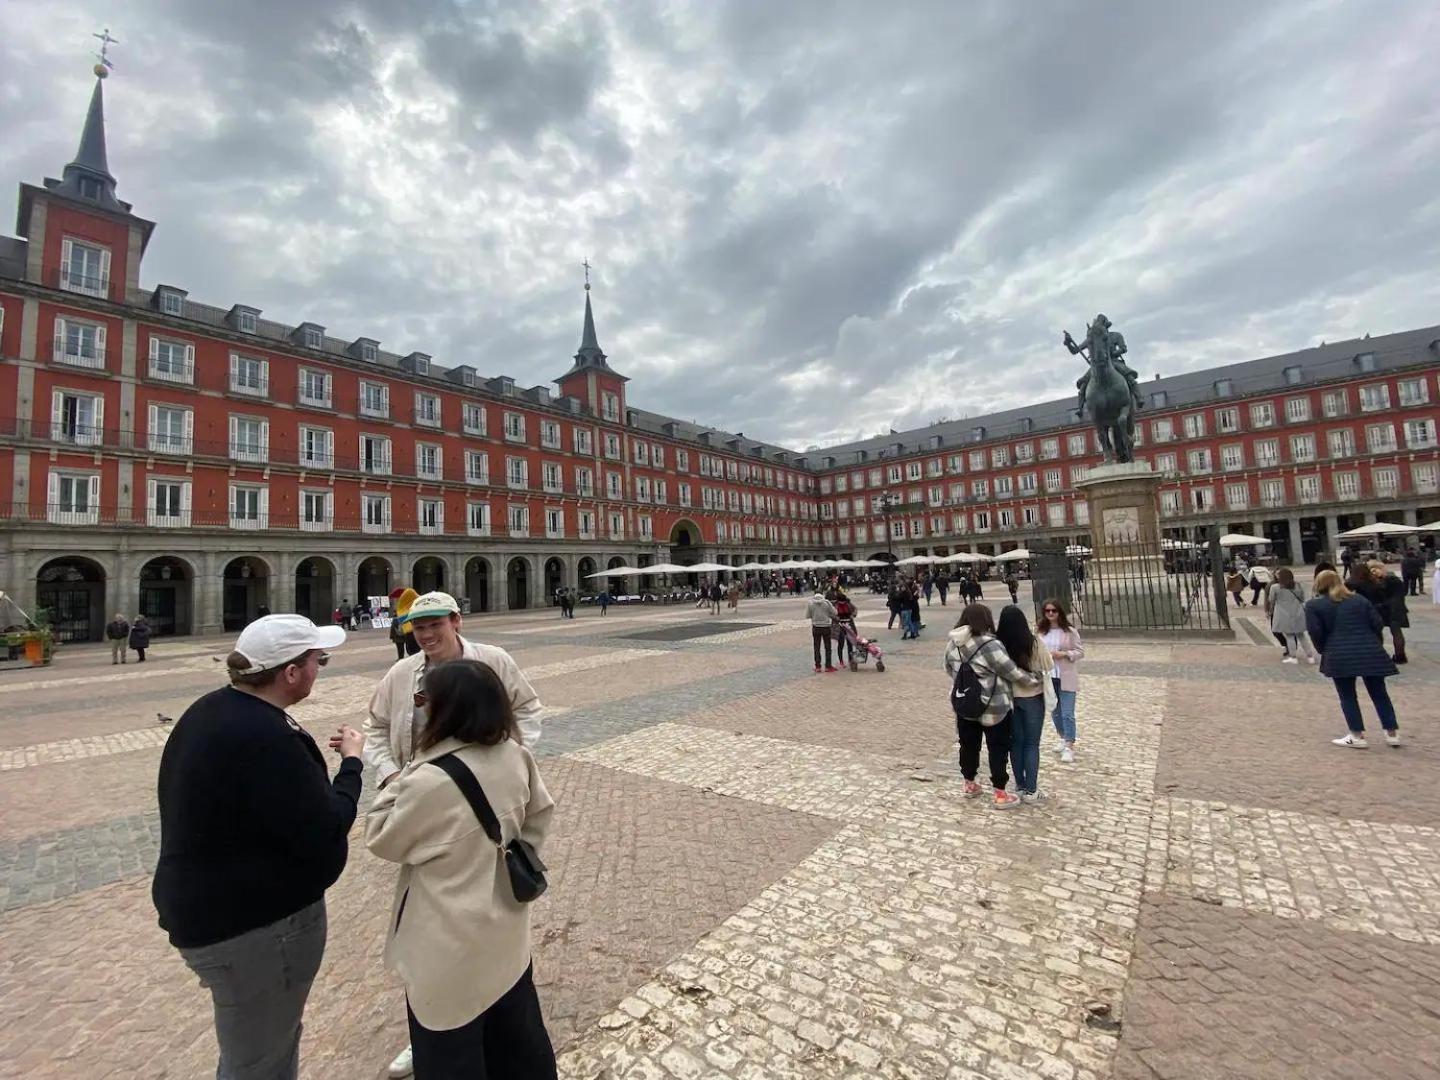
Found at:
<point>314,337</point>
<point>1159,399</point>
<point>89,188</point>
<point>1294,375</point>
<point>977,434</point>
<point>367,352</point>
<point>1365,361</point>
<point>422,366</point>
<point>1224,388</point>
<point>172,302</point>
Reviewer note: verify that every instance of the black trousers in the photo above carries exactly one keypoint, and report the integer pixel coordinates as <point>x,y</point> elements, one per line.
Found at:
<point>508,1041</point>
<point>997,742</point>
<point>817,635</point>
<point>1412,584</point>
<point>842,643</point>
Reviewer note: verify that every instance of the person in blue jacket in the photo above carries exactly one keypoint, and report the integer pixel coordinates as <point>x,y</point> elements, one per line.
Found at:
<point>1345,628</point>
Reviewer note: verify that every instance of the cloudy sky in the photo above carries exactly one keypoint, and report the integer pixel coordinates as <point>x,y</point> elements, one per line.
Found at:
<point>808,221</point>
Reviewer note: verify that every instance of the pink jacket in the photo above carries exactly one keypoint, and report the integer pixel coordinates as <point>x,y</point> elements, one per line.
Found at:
<point>1070,651</point>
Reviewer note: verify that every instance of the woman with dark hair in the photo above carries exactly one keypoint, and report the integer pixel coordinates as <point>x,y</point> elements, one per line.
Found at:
<point>1031,702</point>
<point>973,642</point>
<point>459,939</point>
<point>1285,604</point>
<point>1346,628</point>
<point>1063,642</point>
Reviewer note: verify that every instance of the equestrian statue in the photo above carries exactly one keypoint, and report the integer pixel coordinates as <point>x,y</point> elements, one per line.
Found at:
<point>1108,388</point>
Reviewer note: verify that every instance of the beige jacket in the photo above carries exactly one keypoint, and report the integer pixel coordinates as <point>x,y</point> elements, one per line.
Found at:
<point>458,938</point>
<point>390,727</point>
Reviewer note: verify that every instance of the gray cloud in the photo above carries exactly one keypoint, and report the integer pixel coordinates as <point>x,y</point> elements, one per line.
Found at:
<point>811,221</point>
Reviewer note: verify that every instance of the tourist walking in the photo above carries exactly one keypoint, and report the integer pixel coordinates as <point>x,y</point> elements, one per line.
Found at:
<point>400,635</point>
<point>1012,582</point>
<point>1066,649</point>
<point>928,587</point>
<point>1393,608</point>
<point>398,708</point>
<point>117,632</point>
<point>910,612</point>
<point>603,600</point>
<point>892,601</point>
<point>1412,570</point>
<point>942,586</point>
<point>821,613</point>
<point>252,833</point>
<point>458,937</point>
<point>844,619</point>
<point>1285,604</point>
<point>1346,628</point>
<point>973,643</point>
<point>1031,702</point>
<point>140,636</point>
<point>716,593</point>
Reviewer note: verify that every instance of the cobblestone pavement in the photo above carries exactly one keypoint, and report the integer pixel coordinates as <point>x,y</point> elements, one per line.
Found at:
<point>761,874</point>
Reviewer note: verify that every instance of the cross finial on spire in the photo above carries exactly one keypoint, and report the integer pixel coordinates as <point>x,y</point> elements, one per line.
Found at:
<point>586,264</point>
<point>103,67</point>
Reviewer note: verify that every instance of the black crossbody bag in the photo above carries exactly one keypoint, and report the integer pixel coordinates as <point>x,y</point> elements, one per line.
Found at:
<point>527,872</point>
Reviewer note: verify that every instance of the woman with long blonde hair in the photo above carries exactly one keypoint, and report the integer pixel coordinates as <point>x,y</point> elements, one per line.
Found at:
<point>1345,628</point>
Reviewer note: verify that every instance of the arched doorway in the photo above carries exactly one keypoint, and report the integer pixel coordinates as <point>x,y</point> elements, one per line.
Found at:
<point>166,595</point>
<point>71,593</point>
<point>583,569</point>
<point>428,575</point>
<point>616,585</point>
<point>684,539</point>
<point>246,590</point>
<point>477,583</point>
<point>517,584</point>
<point>372,578</point>
<point>315,589</point>
<point>554,578</point>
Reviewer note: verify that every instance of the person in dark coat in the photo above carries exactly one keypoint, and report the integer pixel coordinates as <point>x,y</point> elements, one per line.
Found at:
<point>1374,581</point>
<point>1345,627</point>
<point>140,636</point>
<point>1412,569</point>
<point>117,632</point>
<point>893,603</point>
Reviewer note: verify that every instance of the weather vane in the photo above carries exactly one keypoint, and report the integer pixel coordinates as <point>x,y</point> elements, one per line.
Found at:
<point>586,264</point>
<point>103,67</point>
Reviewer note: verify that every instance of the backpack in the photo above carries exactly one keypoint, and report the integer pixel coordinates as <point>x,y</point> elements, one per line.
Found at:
<point>969,695</point>
<point>844,609</point>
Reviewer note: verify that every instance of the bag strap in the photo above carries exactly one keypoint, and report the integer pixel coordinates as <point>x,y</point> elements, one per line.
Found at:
<point>474,794</point>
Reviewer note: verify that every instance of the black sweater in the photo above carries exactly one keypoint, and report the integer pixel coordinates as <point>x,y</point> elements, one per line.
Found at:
<point>251,827</point>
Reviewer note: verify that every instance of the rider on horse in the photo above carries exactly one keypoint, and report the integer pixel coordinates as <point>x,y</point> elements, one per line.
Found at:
<point>1103,342</point>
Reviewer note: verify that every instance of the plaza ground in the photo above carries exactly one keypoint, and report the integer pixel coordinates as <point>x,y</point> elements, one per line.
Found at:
<point>762,873</point>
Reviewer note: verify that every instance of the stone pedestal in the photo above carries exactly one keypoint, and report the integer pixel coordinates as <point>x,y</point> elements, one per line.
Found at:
<point>1127,572</point>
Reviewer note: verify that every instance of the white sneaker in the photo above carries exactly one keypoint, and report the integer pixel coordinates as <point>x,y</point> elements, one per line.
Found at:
<point>1067,755</point>
<point>1393,738</point>
<point>1290,660</point>
<point>1312,659</point>
<point>403,1065</point>
<point>1353,741</point>
<point>1030,798</point>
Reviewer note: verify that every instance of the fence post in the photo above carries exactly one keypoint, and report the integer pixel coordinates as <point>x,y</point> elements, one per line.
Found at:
<point>1217,578</point>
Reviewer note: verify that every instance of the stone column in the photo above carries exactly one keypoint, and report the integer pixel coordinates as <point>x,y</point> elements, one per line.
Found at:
<point>1297,548</point>
<point>1332,529</point>
<point>208,593</point>
<point>500,583</point>
<point>282,585</point>
<point>538,598</point>
<point>1410,517</point>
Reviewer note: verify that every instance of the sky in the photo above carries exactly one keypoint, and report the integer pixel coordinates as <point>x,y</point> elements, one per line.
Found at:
<point>810,222</point>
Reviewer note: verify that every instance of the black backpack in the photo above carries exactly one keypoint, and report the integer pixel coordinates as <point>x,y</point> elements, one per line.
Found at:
<point>970,695</point>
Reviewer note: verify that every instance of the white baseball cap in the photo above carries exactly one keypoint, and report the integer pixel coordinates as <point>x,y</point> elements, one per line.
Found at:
<point>273,640</point>
<point>430,605</point>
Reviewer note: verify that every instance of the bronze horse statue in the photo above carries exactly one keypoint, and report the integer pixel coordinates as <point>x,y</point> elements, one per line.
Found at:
<point>1108,389</point>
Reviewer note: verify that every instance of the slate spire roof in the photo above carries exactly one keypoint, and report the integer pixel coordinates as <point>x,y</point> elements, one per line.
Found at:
<point>88,176</point>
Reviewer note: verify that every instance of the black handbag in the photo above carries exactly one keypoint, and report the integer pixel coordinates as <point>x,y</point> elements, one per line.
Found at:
<point>527,872</point>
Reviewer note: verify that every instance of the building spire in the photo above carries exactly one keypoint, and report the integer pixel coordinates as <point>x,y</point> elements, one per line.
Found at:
<point>590,354</point>
<point>88,176</point>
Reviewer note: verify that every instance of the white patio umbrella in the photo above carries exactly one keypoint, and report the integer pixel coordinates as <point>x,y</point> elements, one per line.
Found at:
<point>755,566</point>
<point>618,571</point>
<point>708,568</point>
<point>1014,555</point>
<point>664,568</point>
<point>917,560</point>
<point>961,557</point>
<point>1379,528</point>
<point>1230,540</point>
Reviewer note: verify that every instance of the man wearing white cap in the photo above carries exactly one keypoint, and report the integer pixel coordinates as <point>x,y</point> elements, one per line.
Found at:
<point>252,833</point>
<point>397,709</point>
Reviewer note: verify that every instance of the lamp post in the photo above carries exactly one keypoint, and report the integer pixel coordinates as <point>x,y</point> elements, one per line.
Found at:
<point>888,501</point>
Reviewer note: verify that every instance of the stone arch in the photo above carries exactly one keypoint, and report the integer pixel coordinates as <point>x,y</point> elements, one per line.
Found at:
<point>477,583</point>
<point>430,573</point>
<point>554,575</point>
<point>316,577</point>
<point>167,595</point>
<point>685,533</point>
<point>245,590</point>
<point>517,583</point>
<point>583,569</point>
<point>375,576</point>
<point>70,589</point>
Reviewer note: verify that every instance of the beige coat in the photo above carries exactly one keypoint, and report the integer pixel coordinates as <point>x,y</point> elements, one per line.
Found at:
<point>458,937</point>
<point>390,727</point>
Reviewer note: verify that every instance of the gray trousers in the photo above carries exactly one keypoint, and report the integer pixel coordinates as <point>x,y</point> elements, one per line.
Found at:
<point>259,981</point>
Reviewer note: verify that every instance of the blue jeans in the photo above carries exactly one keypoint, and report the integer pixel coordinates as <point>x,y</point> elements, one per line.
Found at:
<point>1350,702</point>
<point>1029,714</point>
<point>907,623</point>
<point>1064,715</point>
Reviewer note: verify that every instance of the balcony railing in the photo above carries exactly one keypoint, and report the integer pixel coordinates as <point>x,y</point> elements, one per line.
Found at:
<point>77,281</point>
<point>78,354</point>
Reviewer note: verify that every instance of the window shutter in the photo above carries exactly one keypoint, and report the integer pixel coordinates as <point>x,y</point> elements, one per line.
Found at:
<point>151,504</point>
<point>189,363</point>
<point>185,504</point>
<point>67,251</point>
<point>57,414</point>
<point>264,375</point>
<point>100,343</point>
<point>264,508</point>
<point>265,440</point>
<point>152,422</point>
<point>189,429</point>
<point>105,270</point>
<point>94,502</point>
<point>234,368</point>
<point>96,435</point>
<point>154,348</point>
<point>52,495</point>
<point>60,334</point>
<point>234,434</point>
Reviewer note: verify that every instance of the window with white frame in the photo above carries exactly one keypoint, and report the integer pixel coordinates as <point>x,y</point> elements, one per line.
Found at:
<point>685,495</point>
<point>1380,438</point>
<point>1297,410</point>
<point>1302,448</point>
<point>430,516</point>
<point>517,472</point>
<point>1374,397</point>
<point>1164,463</point>
<point>1414,392</point>
<point>472,418</point>
<point>84,268</point>
<point>1419,434</point>
<point>682,460</point>
<point>249,439</point>
<point>1053,481</point>
<point>610,406</point>
<point>374,398</point>
<point>1267,453</point>
<point>584,482</point>
<point>1307,488</point>
<point>245,320</point>
<point>1202,499</point>
<point>428,461</point>
<point>375,455</point>
<point>79,343</point>
<point>1198,461</point>
<point>1055,515</point>
<point>1272,492</point>
<point>550,477</point>
<point>1262,414</point>
<point>477,467</point>
<point>874,475</point>
<point>171,302</point>
<point>892,474</point>
<point>981,488</point>
<point>249,375</point>
<point>172,361</point>
<point>314,338</point>
<point>917,527</point>
<point>427,408</point>
<point>550,434</point>
<point>660,493</point>
<point>585,524</point>
<point>74,498</point>
<point>1195,426</point>
<point>77,418</point>
<point>1169,503</point>
<point>641,452</point>
<point>1425,476</point>
<point>1232,457</point>
<point>1347,485</point>
<point>1074,445</point>
<point>477,518</point>
<point>315,387</point>
<point>1335,403</point>
<point>1003,487</point>
<point>612,485</point>
<point>249,507</point>
<point>645,527</point>
<point>317,447</point>
<point>375,513</point>
<point>612,445</point>
<point>982,520</point>
<point>732,470</point>
<point>999,456</point>
<point>912,470</point>
<point>317,511</point>
<point>1386,481</point>
<point>519,520</point>
<point>1023,452</point>
<point>1162,431</point>
<point>168,503</point>
<point>1227,421</point>
<point>554,522</point>
<point>1006,518</point>
<point>1341,442</point>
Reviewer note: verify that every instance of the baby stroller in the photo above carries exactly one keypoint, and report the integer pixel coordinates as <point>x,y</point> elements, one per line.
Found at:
<point>860,646</point>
